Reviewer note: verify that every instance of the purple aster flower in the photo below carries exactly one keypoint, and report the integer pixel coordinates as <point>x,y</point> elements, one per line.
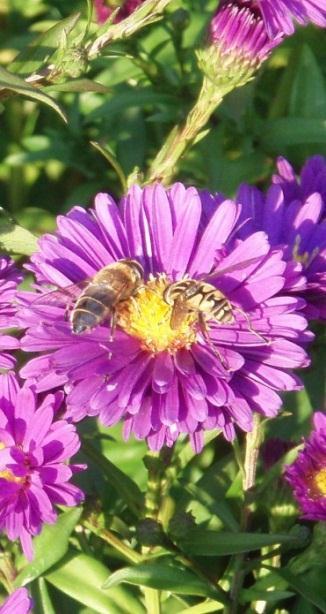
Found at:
<point>34,450</point>
<point>105,8</point>
<point>237,45</point>
<point>19,602</point>
<point>312,179</point>
<point>10,277</point>
<point>278,15</point>
<point>238,29</point>
<point>293,215</point>
<point>164,380</point>
<point>307,475</point>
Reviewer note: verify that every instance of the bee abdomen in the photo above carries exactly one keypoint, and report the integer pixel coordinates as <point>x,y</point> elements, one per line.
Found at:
<point>83,320</point>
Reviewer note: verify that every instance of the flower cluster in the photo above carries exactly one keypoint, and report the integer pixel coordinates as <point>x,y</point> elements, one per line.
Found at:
<point>34,449</point>
<point>163,376</point>
<point>10,277</point>
<point>307,475</point>
<point>293,215</point>
<point>19,602</point>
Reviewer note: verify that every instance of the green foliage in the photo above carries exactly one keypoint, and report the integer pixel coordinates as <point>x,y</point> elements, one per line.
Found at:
<point>119,102</point>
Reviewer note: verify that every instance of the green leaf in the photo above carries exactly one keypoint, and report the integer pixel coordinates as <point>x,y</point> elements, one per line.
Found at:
<point>11,82</point>
<point>43,47</point>
<point>214,543</point>
<point>125,486</point>
<point>15,239</point>
<point>219,507</point>
<point>50,546</point>
<point>308,93</point>
<point>250,594</point>
<point>279,133</point>
<point>78,85</point>
<point>81,577</point>
<point>133,97</point>
<point>301,586</point>
<point>42,599</point>
<point>205,607</point>
<point>165,577</point>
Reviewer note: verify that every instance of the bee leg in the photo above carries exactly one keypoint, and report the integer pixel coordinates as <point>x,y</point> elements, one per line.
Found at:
<point>250,328</point>
<point>205,332</point>
<point>135,304</point>
<point>113,324</point>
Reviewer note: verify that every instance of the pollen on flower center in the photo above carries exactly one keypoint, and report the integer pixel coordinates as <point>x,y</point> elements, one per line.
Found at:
<point>147,316</point>
<point>10,477</point>
<point>320,481</point>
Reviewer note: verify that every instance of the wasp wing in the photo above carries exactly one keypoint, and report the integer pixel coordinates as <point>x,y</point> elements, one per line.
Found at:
<point>233,267</point>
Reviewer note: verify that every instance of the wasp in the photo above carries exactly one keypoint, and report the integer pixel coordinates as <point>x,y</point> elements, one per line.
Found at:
<point>205,300</point>
<point>96,299</point>
<point>190,295</point>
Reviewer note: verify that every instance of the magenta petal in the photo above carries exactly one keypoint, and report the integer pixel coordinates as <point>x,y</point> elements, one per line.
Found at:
<point>163,372</point>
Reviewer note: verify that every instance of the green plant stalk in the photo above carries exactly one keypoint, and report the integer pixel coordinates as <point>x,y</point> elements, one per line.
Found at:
<point>181,137</point>
<point>148,12</point>
<point>253,441</point>
<point>110,538</point>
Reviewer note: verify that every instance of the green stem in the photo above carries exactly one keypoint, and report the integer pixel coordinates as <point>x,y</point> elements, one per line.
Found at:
<point>253,441</point>
<point>152,601</point>
<point>114,541</point>
<point>181,137</point>
<point>146,13</point>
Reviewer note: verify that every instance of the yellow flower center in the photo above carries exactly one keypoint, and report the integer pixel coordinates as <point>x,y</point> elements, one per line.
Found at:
<point>320,481</point>
<point>147,317</point>
<point>10,477</point>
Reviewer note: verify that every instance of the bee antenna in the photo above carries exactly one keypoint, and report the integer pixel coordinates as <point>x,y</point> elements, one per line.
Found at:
<point>250,327</point>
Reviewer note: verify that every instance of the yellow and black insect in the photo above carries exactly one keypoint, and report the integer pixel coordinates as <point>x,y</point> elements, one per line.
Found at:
<point>197,296</point>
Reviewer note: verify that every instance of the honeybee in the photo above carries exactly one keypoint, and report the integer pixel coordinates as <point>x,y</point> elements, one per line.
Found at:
<point>113,284</point>
<point>95,300</point>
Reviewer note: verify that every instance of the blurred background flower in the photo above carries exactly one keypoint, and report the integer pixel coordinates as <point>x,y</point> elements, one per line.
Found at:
<point>307,475</point>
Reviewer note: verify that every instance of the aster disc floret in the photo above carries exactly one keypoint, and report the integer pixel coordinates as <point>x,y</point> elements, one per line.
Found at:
<point>34,450</point>
<point>10,277</point>
<point>292,213</point>
<point>19,602</point>
<point>307,475</point>
<point>104,9</point>
<point>237,44</point>
<point>165,376</point>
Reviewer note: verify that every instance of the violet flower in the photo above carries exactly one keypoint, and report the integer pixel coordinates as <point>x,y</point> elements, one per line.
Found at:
<point>34,450</point>
<point>307,475</point>
<point>237,45</point>
<point>10,277</point>
<point>19,602</point>
<point>105,8</point>
<point>163,382</point>
<point>293,214</point>
<point>279,15</point>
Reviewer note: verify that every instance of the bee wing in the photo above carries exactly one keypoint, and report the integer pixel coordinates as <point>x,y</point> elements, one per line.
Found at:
<point>233,267</point>
<point>58,297</point>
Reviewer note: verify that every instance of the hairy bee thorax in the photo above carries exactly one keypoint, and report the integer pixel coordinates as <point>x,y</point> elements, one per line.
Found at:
<point>148,316</point>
